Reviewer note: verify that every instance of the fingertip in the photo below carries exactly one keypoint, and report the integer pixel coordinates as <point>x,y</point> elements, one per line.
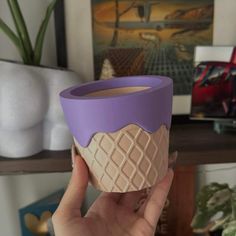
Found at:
<point>170,174</point>
<point>167,179</point>
<point>80,169</point>
<point>76,190</point>
<point>73,154</point>
<point>172,159</point>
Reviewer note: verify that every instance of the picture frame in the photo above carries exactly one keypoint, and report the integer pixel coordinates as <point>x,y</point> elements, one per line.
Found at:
<point>60,34</point>
<point>213,92</point>
<point>80,41</point>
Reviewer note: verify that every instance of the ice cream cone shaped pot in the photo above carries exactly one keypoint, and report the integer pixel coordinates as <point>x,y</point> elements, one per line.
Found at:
<point>121,129</point>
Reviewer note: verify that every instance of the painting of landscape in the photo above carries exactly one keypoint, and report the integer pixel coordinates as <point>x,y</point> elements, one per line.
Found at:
<point>147,37</point>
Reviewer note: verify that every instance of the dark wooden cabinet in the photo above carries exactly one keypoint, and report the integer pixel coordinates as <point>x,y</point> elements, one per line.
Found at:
<point>178,212</point>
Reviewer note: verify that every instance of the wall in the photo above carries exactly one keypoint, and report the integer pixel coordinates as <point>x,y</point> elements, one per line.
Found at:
<point>79,38</point>
<point>221,173</point>
<point>224,30</point>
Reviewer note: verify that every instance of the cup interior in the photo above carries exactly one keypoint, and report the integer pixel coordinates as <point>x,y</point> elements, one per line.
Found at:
<point>116,91</point>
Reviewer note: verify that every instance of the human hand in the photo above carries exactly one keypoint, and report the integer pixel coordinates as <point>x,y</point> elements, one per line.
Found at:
<point>114,214</point>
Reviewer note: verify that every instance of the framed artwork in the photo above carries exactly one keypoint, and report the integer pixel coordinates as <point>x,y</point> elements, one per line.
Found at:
<point>60,34</point>
<point>214,87</point>
<point>148,37</point>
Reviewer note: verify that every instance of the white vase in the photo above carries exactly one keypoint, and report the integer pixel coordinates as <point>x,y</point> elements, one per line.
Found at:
<point>31,118</point>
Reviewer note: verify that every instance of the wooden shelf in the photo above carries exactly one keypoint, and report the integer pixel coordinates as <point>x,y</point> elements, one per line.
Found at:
<point>43,162</point>
<point>199,144</point>
<point>196,144</point>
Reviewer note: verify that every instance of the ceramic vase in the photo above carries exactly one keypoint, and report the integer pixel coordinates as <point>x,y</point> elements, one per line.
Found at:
<point>121,129</point>
<point>31,118</point>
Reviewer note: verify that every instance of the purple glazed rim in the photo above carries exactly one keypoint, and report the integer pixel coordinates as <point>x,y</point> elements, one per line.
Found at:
<point>87,115</point>
<point>81,92</point>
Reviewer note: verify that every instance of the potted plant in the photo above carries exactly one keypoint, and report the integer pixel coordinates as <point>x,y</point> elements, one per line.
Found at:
<point>31,118</point>
<point>216,210</point>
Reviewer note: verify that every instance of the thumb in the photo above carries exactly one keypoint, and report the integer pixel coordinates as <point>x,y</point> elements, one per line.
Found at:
<point>75,193</point>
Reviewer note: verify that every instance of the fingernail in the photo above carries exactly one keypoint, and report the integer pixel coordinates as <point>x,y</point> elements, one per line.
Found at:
<point>73,153</point>
<point>172,159</point>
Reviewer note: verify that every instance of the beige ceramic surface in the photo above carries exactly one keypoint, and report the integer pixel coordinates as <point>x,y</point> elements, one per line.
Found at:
<point>117,91</point>
<point>127,160</point>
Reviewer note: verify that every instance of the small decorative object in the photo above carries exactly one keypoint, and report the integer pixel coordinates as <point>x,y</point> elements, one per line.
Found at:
<point>37,225</point>
<point>152,38</point>
<point>215,201</point>
<point>31,117</point>
<point>107,70</point>
<point>36,217</point>
<point>121,128</point>
<point>214,87</point>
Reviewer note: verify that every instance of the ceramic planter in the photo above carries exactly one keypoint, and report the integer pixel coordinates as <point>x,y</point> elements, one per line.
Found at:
<point>121,128</point>
<point>31,118</point>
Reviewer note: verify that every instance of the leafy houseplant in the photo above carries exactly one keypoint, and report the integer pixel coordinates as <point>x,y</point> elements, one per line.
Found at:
<point>31,117</point>
<point>215,199</point>
<point>29,54</point>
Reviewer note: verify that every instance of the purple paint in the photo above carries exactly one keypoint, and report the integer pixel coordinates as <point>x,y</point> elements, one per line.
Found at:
<point>87,115</point>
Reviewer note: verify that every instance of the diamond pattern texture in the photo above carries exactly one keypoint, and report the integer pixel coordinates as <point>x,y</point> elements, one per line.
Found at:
<point>130,159</point>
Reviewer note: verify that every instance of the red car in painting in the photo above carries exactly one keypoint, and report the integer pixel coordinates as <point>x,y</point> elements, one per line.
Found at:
<point>214,89</point>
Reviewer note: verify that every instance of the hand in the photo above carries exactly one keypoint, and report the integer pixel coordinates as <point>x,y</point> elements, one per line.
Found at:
<point>112,214</point>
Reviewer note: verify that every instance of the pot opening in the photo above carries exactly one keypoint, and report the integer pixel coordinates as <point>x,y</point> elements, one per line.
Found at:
<point>116,91</point>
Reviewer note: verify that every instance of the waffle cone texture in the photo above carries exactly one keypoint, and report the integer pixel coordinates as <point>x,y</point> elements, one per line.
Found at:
<point>129,159</point>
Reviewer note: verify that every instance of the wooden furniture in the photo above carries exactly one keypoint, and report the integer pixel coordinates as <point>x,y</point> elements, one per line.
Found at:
<point>180,210</point>
<point>196,143</point>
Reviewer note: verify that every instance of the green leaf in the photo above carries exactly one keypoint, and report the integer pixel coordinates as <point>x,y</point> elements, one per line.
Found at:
<point>13,37</point>
<point>230,229</point>
<point>6,29</point>
<point>21,29</point>
<point>41,33</point>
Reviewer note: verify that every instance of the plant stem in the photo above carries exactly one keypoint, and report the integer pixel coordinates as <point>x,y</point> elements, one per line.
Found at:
<point>234,204</point>
<point>38,48</point>
<point>21,29</point>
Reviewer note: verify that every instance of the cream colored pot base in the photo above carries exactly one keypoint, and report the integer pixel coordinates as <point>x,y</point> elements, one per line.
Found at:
<point>130,159</point>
